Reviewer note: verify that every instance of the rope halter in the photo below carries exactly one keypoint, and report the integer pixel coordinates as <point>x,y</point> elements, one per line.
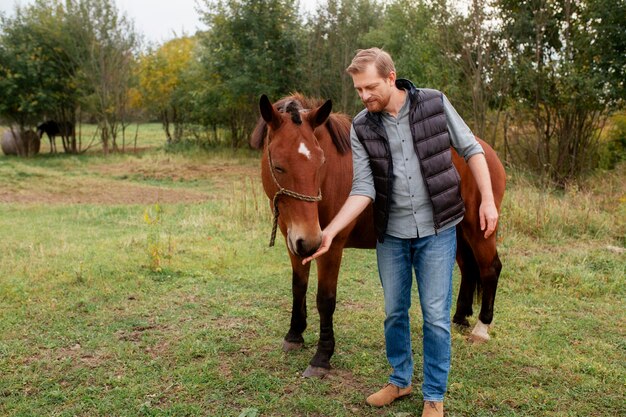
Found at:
<point>284,191</point>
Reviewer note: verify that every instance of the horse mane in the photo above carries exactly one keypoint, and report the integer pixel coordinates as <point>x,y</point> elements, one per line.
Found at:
<point>337,124</point>
<point>293,108</point>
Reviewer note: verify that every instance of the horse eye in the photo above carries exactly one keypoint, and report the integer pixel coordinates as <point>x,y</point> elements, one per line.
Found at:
<point>280,170</point>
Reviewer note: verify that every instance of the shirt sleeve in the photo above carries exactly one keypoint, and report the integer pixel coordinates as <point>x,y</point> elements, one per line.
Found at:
<point>461,136</point>
<point>362,179</point>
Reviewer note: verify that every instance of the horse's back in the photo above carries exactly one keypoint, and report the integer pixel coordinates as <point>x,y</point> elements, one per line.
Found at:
<point>53,128</point>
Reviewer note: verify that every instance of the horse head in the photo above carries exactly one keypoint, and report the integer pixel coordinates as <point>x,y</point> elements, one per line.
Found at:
<point>292,170</point>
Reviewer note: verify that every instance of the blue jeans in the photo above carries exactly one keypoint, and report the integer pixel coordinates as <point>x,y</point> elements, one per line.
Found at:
<point>432,258</point>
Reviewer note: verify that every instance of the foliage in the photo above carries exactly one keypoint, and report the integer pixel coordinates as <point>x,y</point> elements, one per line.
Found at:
<point>161,76</point>
<point>35,79</point>
<point>483,63</point>
<point>106,40</point>
<point>563,78</point>
<point>39,80</point>
<point>613,151</point>
<point>250,49</point>
<point>333,34</point>
<point>537,78</point>
<point>59,56</point>
<point>607,53</point>
<point>417,36</point>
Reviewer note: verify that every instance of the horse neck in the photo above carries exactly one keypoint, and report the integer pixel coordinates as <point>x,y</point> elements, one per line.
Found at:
<point>336,180</point>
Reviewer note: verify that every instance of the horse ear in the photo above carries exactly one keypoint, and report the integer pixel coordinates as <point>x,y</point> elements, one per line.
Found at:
<point>318,116</point>
<point>269,113</point>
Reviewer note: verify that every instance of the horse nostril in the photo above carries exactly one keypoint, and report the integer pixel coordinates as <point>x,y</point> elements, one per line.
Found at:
<point>304,248</point>
<point>300,246</point>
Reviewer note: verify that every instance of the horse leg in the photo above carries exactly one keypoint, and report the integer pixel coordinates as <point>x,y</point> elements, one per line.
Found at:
<point>66,145</point>
<point>53,147</point>
<point>299,283</point>
<point>328,271</point>
<point>490,267</point>
<point>470,276</point>
<point>489,275</point>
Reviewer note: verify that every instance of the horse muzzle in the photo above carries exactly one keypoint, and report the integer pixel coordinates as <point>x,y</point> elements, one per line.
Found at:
<point>303,245</point>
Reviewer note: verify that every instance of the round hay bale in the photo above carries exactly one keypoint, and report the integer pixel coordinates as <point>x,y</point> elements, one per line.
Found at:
<point>11,138</point>
<point>9,147</point>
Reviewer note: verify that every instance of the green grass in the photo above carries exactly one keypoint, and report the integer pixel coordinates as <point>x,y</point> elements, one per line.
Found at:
<point>148,135</point>
<point>88,328</point>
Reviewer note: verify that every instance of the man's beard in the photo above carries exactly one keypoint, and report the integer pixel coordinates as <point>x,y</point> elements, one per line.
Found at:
<point>376,105</point>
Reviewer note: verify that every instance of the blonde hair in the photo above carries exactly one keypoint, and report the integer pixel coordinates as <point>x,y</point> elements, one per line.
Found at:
<point>364,57</point>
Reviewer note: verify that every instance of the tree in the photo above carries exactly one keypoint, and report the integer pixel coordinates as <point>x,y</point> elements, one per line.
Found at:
<point>56,30</point>
<point>161,75</point>
<point>423,39</point>
<point>474,62</point>
<point>408,32</point>
<point>250,49</point>
<point>104,44</point>
<point>479,52</point>
<point>36,79</point>
<point>565,84</point>
<point>58,56</point>
<point>336,31</point>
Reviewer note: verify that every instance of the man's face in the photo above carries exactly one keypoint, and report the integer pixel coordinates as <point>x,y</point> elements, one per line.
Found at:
<point>374,90</point>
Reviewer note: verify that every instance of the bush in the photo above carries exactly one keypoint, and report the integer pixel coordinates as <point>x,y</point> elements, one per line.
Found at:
<point>613,150</point>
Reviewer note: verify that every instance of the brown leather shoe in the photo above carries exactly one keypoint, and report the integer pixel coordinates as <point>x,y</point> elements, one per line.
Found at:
<point>387,395</point>
<point>432,409</point>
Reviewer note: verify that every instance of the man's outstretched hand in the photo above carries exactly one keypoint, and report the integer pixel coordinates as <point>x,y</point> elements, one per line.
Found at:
<point>327,240</point>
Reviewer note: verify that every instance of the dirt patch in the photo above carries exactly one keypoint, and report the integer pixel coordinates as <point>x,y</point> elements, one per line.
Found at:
<point>121,183</point>
<point>173,170</point>
<point>80,356</point>
<point>96,191</point>
<point>135,334</point>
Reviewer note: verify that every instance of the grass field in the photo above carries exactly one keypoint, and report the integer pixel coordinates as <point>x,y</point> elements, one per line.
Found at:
<point>142,285</point>
<point>147,135</point>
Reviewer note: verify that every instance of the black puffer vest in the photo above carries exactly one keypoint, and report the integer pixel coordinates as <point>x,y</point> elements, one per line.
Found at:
<point>431,142</point>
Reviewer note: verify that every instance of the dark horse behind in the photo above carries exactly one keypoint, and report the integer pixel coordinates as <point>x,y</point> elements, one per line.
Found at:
<point>53,129</point>
<point>306,171</point>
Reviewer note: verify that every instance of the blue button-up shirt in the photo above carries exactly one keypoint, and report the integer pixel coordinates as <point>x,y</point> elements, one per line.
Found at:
<point>411,212</point>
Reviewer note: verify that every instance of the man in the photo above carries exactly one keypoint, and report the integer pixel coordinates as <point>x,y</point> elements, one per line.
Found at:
<point>401,155</point>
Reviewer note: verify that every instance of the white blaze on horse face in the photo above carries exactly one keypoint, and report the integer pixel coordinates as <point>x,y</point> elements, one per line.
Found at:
<point>304,150</point>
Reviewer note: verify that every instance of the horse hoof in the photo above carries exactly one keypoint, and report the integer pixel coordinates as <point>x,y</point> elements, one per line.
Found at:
<point>461,322</point>
<point>478,339</point>
<point>480,334</point>
<point>289,346</point>
<point>315,372</point>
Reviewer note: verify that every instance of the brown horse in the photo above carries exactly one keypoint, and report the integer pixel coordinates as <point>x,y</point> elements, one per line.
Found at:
<point>306,171</point>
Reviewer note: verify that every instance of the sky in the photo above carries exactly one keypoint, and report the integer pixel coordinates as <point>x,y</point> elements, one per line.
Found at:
<point>157,20</point>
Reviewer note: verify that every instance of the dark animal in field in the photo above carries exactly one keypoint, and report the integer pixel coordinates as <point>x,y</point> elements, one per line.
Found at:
<point>306,171</point>
<point>13,143</point>
<point>53,129</point>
